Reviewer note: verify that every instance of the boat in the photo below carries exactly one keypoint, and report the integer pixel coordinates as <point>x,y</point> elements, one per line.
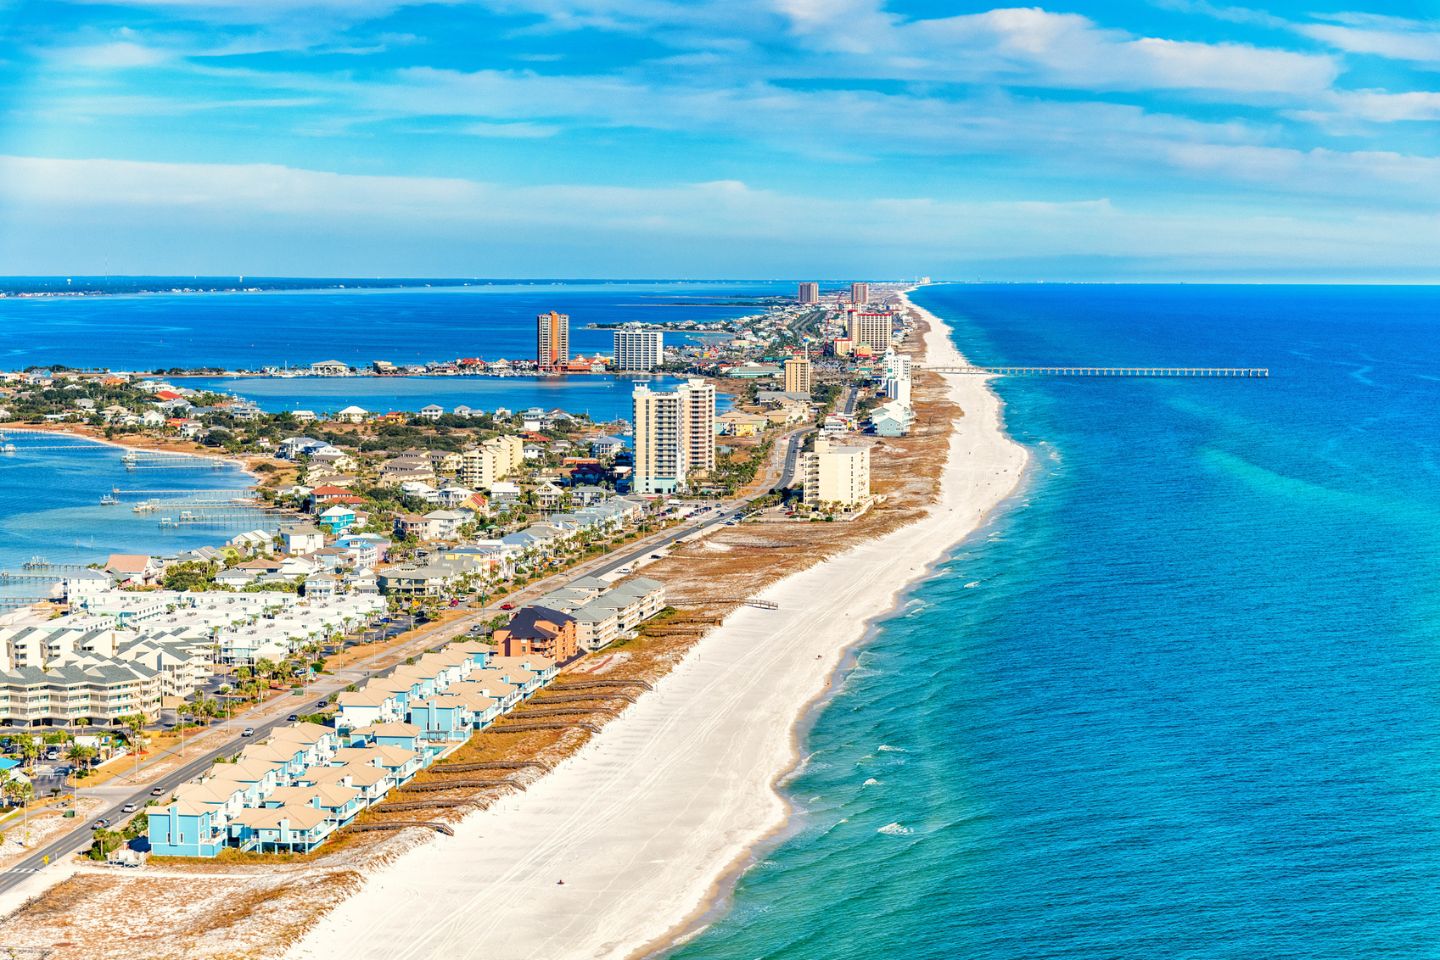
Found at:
<point>109,500</point>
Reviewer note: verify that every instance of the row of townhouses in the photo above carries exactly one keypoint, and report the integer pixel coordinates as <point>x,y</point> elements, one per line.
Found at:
<point>307,780</point>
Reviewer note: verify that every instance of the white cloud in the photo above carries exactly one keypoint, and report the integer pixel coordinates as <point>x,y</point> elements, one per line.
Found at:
<point>120,54</point>
<point>239,216</point>
<point>1395,38</point>
<point>1374,106</point>
<point>1036,47</point>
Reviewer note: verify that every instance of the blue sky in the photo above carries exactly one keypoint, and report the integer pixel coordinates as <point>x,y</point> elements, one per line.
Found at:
<point>1175,139</point>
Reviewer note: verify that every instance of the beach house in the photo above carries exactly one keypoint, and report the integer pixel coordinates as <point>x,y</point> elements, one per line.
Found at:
<point>337,519</point>
<point>540,631</point>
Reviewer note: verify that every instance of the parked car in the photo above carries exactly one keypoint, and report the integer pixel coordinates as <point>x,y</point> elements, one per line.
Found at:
<point>248,732</point>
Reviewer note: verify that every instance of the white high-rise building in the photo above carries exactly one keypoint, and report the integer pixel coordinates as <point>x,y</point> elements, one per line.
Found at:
<point>674,435</point>
<point>637,349</point>
<point>896,380</point>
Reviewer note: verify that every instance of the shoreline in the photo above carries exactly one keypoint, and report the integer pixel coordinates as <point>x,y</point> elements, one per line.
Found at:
<point>659,761</point>
<point>718,902</point>
<point>139,443</point>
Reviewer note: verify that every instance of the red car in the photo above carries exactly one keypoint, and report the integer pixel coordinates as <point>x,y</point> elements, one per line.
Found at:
<point>507,605</point>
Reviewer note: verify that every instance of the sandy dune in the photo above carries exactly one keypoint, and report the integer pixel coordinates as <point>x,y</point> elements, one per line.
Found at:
<point>642,823</point>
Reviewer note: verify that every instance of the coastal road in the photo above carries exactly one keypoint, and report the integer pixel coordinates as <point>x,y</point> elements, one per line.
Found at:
<point>780,468</point>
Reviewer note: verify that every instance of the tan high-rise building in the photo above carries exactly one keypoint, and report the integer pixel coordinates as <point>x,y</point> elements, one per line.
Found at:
<point>552,340</point>
<point>495,460</point>
<point>837,475</point>
<point>809,293</point>
<point>797,375</point>
<point>871,329</point>
<point>699,409</point>
<point>674,435</point>
<point>659,441</point>
<point>859,294</point>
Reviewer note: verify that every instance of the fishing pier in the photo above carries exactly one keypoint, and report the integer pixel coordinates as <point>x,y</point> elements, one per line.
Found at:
<point>1190,372</point>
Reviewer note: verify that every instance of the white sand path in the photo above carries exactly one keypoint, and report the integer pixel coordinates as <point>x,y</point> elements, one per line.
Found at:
<point>643,822</point>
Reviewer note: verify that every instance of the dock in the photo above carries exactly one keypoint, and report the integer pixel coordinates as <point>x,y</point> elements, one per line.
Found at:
<point>1010,371</point>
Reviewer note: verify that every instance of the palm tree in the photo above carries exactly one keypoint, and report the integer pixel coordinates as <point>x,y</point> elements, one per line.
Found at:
<point>134,725</point>
<point>19,791</point>
<point>80,756</point>
<point>30,750</point>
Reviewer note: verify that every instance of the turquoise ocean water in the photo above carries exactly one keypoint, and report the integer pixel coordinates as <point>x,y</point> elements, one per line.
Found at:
<point>1180,699</point>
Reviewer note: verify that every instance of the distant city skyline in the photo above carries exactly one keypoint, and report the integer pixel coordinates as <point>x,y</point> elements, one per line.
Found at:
<point>1169,140</point>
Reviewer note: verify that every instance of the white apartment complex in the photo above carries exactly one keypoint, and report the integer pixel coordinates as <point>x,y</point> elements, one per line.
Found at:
<point>637,349</point>
<point>674,435</point>
<point>834,474</point>
<point>895,382</point>
<point>122,652</point>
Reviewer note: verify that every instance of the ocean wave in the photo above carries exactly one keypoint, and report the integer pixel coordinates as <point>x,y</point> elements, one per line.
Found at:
<point>895,830</point>
<point>886,748</point>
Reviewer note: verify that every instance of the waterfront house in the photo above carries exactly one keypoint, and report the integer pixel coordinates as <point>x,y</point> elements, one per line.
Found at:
<point>289,829</point>
<point>301,538</point>
<point>236,578</point>
<point>352,414</point>
<point>446,524</point>
<point>134,570</point>
<point>366,707</point>
<point>185,828</point>
<point>413,525</point>
<point>540,631</point>
<point>737,423</point>
<point>432,411</point>
<point>322,585</point>
<point>400,765</point>
<point>548,496</point>
<point>337,519</point>
<point>339,802</point>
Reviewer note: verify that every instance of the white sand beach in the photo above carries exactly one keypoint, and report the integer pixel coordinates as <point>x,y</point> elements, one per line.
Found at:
<point>644,821</point>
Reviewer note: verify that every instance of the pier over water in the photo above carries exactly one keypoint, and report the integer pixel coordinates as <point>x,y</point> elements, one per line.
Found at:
<point>1249,372</point>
